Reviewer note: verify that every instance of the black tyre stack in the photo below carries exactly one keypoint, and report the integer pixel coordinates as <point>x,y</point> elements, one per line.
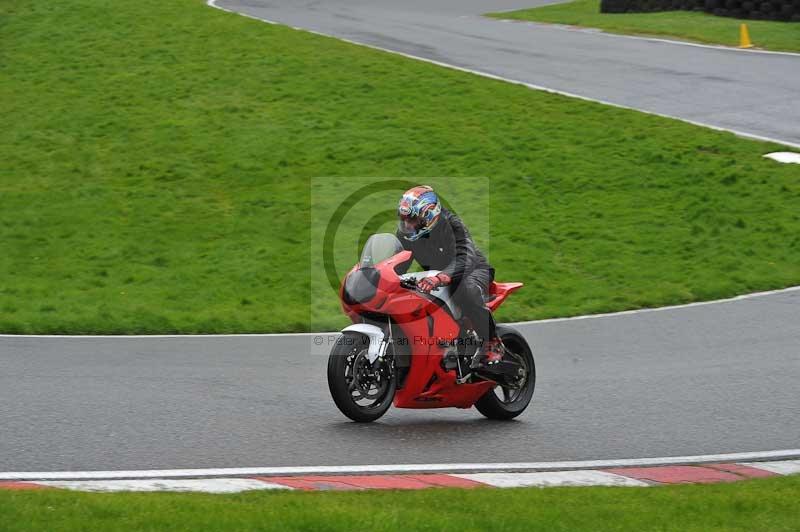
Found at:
<point>783,10</point>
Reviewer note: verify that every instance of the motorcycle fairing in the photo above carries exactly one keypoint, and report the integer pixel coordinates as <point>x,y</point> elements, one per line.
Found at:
<point>443,293</point>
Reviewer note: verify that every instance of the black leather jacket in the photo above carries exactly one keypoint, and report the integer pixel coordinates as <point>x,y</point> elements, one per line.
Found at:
<point>448,248</point>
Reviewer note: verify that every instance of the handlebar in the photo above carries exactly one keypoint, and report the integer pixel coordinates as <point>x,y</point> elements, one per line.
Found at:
<point>409,282</point>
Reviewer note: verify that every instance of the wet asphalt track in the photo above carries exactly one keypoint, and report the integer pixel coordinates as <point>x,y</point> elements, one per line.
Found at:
<point>716,378</point>
<point>754,93</point>
<point>708,379</point>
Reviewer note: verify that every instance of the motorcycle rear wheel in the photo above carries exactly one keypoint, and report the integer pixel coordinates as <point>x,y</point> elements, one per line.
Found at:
<point>513,401</point>
<point>360,392</point>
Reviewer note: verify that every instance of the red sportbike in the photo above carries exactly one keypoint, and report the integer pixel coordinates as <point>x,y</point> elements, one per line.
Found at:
<point>416,349</point>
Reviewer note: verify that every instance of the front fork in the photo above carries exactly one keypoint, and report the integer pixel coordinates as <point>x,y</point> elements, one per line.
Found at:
<point>378,349</point>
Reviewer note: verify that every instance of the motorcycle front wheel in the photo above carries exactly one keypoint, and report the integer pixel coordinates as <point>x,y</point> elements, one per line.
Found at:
<point>362,391</point>
<point>504,402</point>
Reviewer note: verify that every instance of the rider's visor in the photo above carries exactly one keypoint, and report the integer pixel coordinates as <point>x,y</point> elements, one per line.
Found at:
<point>409,225</point>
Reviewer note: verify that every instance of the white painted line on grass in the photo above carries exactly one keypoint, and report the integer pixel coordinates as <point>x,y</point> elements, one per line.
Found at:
<point>208,485</point>
<point>786,157</point>
<point>753,136</point>
<point>787,454</point>
<point>786,467</point>
<point>552,479</point>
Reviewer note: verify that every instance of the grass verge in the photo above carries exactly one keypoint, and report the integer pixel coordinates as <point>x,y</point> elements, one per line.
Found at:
<point>686,25</point>
<point>767,504</point>
<point>156,156</point>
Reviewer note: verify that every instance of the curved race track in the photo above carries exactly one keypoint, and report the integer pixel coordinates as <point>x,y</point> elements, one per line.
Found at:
<point>753,93</point>
<point>714,378</point>
<point>704,379</point>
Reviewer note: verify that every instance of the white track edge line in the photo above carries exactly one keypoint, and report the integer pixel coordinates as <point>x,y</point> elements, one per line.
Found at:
<point>658,309</point>
<point>753,136</point>
<point>600,31</point>
<point>324,333</point>
<point>402,468</point>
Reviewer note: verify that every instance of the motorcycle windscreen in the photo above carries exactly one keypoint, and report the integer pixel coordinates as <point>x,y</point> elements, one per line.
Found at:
<point>379,247</point>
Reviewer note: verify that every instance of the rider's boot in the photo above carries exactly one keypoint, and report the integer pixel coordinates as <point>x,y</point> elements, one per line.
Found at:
<point>489,363</point>
<point>489,354</point>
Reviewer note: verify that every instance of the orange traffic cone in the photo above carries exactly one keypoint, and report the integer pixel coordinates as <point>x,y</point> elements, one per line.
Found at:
<point>744,37</point>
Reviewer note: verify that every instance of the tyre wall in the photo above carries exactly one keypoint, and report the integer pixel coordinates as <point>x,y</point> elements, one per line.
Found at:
<point>784,10</point>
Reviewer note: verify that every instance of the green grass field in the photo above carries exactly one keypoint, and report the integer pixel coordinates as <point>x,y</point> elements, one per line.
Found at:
<point>686,25</point>
<point>767,505</point>
<point>156,160</point>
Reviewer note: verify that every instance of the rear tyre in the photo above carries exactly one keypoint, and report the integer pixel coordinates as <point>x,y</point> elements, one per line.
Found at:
<point>507,403</point>
<point>361,391</point>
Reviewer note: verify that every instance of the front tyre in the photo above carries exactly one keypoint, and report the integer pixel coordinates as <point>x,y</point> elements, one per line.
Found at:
<point>361,391</point>
<point>503,402</point>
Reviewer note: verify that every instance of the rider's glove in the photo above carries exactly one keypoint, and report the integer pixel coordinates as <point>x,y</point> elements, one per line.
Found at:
<point>433,282</point>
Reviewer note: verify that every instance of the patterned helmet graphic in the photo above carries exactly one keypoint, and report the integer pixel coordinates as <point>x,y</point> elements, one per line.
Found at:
<point>418,211</point>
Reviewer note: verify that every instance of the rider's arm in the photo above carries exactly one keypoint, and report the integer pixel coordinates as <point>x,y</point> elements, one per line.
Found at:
<point>463,262</point>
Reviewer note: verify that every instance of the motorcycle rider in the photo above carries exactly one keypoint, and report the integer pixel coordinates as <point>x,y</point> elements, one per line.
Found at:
<point>440,241</point>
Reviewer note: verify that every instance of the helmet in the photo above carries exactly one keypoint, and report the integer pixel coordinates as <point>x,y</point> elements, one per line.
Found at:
<point>418,211</point>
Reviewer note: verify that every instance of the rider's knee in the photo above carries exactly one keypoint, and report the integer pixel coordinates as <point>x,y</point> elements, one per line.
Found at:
<point>474,293</point>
